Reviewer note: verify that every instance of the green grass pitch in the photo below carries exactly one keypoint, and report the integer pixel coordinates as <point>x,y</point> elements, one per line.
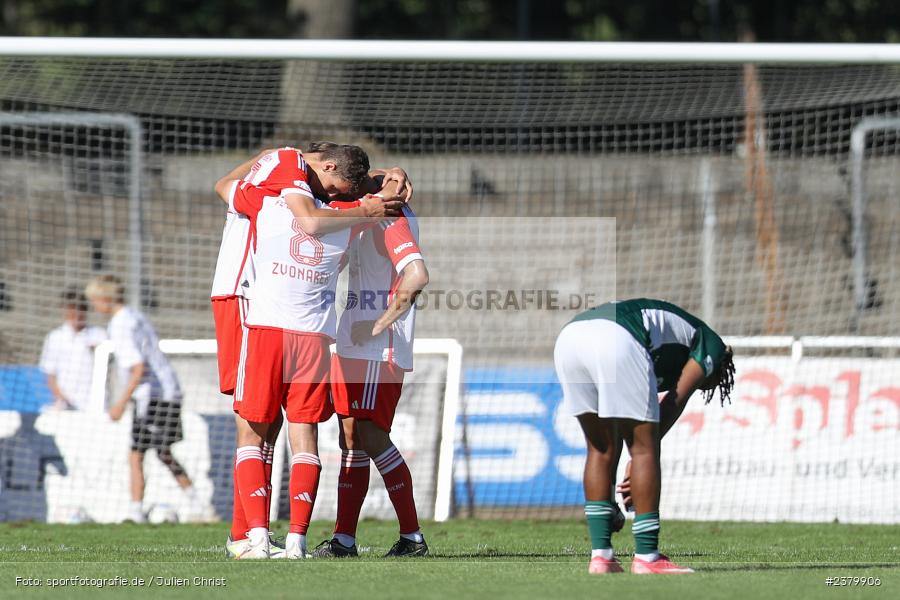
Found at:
<point>470,559</point>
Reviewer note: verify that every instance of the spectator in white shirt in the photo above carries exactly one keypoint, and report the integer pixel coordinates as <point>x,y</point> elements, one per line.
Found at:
<point>68,354</point>
<point>147,379</point>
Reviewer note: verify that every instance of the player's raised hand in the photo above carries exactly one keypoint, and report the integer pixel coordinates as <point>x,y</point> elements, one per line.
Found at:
<point>378,208</point>
<point>404,187</point>
<point>361,332</point>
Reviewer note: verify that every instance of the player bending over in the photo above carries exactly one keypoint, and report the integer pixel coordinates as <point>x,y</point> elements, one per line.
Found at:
<point>150,382</point>
<point>285,361</point>
<point>374,350</point>
<point>612,361</point>
<point>230,297</point>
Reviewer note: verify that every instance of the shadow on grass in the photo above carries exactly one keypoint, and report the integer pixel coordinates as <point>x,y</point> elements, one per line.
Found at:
<point>736,566</point>
<point>488,553</point>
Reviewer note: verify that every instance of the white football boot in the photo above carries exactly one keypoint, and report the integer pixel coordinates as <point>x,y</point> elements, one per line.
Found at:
<point>295,546</point>
<point>234,548</point>
<point>256,549</point>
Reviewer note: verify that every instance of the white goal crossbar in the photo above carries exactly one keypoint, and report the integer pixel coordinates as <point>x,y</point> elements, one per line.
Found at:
<point>445,51</point>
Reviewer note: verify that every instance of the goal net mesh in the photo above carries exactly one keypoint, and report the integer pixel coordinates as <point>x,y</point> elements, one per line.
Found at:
<point>732,194</point>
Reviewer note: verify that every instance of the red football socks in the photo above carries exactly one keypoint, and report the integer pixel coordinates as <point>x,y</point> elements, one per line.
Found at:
<point>398,482</point>
<point>305,471</point>
<point>251,480</point>
<point>353,485</point>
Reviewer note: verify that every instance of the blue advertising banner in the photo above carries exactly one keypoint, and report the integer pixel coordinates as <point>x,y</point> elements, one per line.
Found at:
<point>23,389</point>
<point>520,449</point>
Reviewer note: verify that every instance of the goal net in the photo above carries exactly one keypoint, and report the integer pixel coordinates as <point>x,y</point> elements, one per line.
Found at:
<point>764,198</point>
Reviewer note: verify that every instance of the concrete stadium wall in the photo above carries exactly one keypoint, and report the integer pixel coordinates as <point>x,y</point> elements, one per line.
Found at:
<point>47,229</point>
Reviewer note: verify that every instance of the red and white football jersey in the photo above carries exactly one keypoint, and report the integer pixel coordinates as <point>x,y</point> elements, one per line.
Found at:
<point>234,267</point>
<point>280,172</point>
<point>376,258</point>
<point>296,273</point>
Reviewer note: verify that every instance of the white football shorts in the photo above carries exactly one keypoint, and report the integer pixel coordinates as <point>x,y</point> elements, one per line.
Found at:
<point>604,370</point>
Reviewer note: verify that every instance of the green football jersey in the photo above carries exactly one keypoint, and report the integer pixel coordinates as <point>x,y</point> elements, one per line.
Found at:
<point>669,333</point>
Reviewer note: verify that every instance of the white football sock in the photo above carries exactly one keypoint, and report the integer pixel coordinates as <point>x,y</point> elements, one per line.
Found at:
<point>257,535</point>
<point>415,536</point>
<point>648,557</point>
<point>344,539</point>
<point>297,539</point>
<point>604,553</point>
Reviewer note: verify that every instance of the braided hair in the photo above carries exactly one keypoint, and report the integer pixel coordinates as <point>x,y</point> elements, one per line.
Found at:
<point>725,374</point>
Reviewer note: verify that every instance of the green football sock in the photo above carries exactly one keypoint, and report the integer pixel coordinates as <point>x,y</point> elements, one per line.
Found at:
<point>599,520</point>
<point>646,533</point>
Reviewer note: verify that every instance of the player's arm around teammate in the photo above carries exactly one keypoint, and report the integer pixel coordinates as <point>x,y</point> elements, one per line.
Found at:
<point>327,170</point>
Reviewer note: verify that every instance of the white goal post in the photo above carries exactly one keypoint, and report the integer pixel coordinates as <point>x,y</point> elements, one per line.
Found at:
<point>448,412</point>
<point>132,126</point>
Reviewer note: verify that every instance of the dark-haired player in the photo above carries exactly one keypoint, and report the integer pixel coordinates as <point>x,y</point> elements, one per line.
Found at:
<point>613,361</point>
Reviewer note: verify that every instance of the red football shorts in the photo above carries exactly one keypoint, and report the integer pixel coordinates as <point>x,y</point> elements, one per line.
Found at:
<point>228,315</point>
<point>366,389</point>
<point>281,369</point>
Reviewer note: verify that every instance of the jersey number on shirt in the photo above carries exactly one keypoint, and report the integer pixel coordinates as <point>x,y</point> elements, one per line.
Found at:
<point>306,249</point>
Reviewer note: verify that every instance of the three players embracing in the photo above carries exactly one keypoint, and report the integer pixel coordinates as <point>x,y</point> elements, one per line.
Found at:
<point>288,228</point>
